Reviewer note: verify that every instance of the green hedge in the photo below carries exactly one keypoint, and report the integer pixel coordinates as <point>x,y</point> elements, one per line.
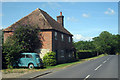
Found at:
<point>49,59</point>
<point>85,51</point>
<point>82,54</point>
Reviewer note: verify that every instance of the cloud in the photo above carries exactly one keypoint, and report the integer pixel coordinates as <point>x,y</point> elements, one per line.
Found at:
<point>72,19</point>
<point>85,15</point>
<point>109,11</point>
<point>79,37</point>
<point>1,27</point>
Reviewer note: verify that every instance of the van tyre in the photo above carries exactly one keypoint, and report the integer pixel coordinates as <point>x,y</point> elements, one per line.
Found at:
<point>31,66</point>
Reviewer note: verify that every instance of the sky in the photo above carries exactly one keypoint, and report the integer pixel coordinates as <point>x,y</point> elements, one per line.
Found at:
<point>84,20</point>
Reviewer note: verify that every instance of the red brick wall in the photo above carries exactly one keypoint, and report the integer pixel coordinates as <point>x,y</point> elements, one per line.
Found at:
<point>46,40</point>
<point>7,34</point>
<point>50,44</point>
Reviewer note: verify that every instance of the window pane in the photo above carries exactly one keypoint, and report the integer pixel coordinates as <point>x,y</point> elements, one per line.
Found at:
<point>62,36</point>
<point>28,56</point>
<point>22,56</point>
<point>69,39</point>
<point>37,56</point>
<point>62,53</point>
<point>55,35</point>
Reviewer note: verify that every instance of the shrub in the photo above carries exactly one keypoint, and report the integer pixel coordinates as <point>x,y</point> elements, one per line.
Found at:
<point>77,56</point>
<point>49,59</point>
<point>11,55</point>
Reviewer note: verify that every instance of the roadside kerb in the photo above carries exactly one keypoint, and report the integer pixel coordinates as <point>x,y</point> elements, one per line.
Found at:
<point>34,75</point>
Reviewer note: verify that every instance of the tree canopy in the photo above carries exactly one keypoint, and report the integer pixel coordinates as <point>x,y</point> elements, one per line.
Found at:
<point>84,45</point>
<point>104,43</point>
<point>24,39</point>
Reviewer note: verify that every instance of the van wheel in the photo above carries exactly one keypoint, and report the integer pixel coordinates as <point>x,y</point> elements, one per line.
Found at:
<point>31,66</point>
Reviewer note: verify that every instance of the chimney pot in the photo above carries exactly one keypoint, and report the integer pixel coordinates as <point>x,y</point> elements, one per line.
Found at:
<point>60,19</point>
<point>60,13</point>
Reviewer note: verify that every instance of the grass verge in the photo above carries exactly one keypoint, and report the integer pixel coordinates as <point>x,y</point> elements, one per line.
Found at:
<point>72,63</point>
<point>23,70</point>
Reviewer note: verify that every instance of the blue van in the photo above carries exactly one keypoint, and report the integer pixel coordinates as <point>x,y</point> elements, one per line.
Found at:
<point>30,60</point>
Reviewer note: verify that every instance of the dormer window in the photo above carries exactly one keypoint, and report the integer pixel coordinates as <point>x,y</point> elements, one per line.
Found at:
<point>55,35</point>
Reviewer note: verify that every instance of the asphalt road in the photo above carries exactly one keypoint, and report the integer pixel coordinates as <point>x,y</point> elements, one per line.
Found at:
<point>104,67</point>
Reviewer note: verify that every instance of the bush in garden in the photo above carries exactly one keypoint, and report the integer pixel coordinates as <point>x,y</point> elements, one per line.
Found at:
<point>49,59</point>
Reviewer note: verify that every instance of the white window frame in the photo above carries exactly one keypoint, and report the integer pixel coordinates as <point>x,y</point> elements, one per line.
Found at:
<point>62,53</point>
<point>69,55</point>
<point>69,39</point>
<point>62,37</point>
<point>55,35</point>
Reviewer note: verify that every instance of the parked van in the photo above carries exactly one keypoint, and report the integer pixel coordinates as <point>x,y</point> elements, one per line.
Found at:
<point>30,60</point>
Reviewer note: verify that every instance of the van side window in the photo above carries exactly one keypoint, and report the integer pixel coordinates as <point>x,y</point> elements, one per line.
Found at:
<point>28,56</point>
<point>22,56</point>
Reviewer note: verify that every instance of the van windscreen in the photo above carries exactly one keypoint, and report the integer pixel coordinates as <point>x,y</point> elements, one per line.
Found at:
<point>37,56</point>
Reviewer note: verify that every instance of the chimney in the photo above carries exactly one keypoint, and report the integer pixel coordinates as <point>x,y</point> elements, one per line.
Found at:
<point>60,19</point>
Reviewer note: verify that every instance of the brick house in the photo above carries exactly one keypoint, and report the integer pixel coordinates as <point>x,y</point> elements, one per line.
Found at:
<point>54,36</point>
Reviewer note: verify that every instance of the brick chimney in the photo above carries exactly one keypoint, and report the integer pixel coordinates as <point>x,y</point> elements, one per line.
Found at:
<point>60,19</point>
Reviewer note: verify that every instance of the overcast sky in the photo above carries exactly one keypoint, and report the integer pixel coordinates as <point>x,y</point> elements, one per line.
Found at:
<point>84,20</point>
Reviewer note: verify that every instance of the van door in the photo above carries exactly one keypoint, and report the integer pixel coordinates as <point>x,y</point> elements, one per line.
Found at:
<point>29,59</point>
<point>22,60</point>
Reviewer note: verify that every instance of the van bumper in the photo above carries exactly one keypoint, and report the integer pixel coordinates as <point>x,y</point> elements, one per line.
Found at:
<point>39,65</point>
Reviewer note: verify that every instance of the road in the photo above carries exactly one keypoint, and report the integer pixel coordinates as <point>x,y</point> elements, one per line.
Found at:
<point>102,68</point>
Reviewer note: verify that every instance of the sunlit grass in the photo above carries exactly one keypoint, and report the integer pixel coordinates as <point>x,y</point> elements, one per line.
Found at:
<point>72,63</point>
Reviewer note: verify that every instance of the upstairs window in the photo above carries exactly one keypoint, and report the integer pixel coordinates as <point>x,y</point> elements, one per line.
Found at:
<point>55,35</point>
<point>62,37</point>
<point>69,39</point>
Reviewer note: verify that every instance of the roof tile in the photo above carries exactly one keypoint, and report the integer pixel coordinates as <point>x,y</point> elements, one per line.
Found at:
<point>38,18</point>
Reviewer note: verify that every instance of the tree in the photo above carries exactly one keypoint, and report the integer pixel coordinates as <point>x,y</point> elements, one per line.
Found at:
<point>105,43</point>
<point>84,45</point>
<point>118,44</point>
<point>28,37</point>
<point>1,37</point>
<point>24,39</point>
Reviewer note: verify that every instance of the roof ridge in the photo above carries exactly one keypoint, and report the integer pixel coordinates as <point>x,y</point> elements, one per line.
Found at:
<point>52,19</point>
<point>16,22</point>
<point>44,16</point>
<point>40,18</point>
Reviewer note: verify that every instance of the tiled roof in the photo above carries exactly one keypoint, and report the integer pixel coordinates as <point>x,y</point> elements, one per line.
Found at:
<point>41,19</point>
